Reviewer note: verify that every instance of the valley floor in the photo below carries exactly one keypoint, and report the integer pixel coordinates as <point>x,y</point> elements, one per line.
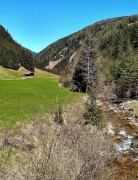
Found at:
<point>122,131</point>
<point>21,100</point>
<point>28,98</point>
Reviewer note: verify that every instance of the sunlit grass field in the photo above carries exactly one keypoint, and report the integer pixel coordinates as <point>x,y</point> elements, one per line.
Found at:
<point>6,73</point>
<point>22,99</point>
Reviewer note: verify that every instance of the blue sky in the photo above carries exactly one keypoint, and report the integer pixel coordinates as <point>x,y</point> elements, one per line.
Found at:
<point>37,23</point>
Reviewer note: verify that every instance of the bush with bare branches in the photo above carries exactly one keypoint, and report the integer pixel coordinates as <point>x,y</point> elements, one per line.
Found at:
<point>52,152</point>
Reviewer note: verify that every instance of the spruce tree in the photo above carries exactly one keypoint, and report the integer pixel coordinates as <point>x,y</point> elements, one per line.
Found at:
<point>85,75</point>
<point>85,79</point>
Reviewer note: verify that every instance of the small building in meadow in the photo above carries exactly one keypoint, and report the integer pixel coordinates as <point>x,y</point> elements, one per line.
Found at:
<point>25,72</point>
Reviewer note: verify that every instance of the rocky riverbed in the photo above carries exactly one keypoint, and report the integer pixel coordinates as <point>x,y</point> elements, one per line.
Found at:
<point>123,128</point>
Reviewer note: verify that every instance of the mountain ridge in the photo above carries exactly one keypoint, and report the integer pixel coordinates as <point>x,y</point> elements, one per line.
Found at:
<point>115,41</point>
<point>40,55</point>
<point>13,55</point>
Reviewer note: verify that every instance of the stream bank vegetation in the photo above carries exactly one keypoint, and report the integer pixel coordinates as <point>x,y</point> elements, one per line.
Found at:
<point>50,150</point>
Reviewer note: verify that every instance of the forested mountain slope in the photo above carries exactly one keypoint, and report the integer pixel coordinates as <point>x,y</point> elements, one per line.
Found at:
<point>115,43</point>
<point>13,55</point>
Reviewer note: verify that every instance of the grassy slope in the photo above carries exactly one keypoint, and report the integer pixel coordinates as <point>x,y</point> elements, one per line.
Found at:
<point>135,107</point>
<point>38,73</point>
<point>20,100</point>
<point>41,74</point>
<point>9,73</point>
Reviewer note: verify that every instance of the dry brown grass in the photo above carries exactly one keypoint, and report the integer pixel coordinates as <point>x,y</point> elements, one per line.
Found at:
<point>52,152</point>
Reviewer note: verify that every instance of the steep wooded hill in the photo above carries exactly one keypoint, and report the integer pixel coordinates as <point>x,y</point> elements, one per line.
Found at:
<point>115,43</point>
<point>13,55</point>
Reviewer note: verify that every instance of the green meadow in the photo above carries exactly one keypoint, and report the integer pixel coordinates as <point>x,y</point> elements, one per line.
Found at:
<point>6,73</point>
<point>22,99</point>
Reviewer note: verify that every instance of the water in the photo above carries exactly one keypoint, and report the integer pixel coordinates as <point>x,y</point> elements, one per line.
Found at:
<point>123,132</point>
<point>124,145</point>
<point>126,141</point>
<point>135,159</point>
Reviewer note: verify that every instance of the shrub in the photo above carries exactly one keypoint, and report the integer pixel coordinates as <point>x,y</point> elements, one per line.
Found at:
<point>69,152</point>
<point>93,114</point>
